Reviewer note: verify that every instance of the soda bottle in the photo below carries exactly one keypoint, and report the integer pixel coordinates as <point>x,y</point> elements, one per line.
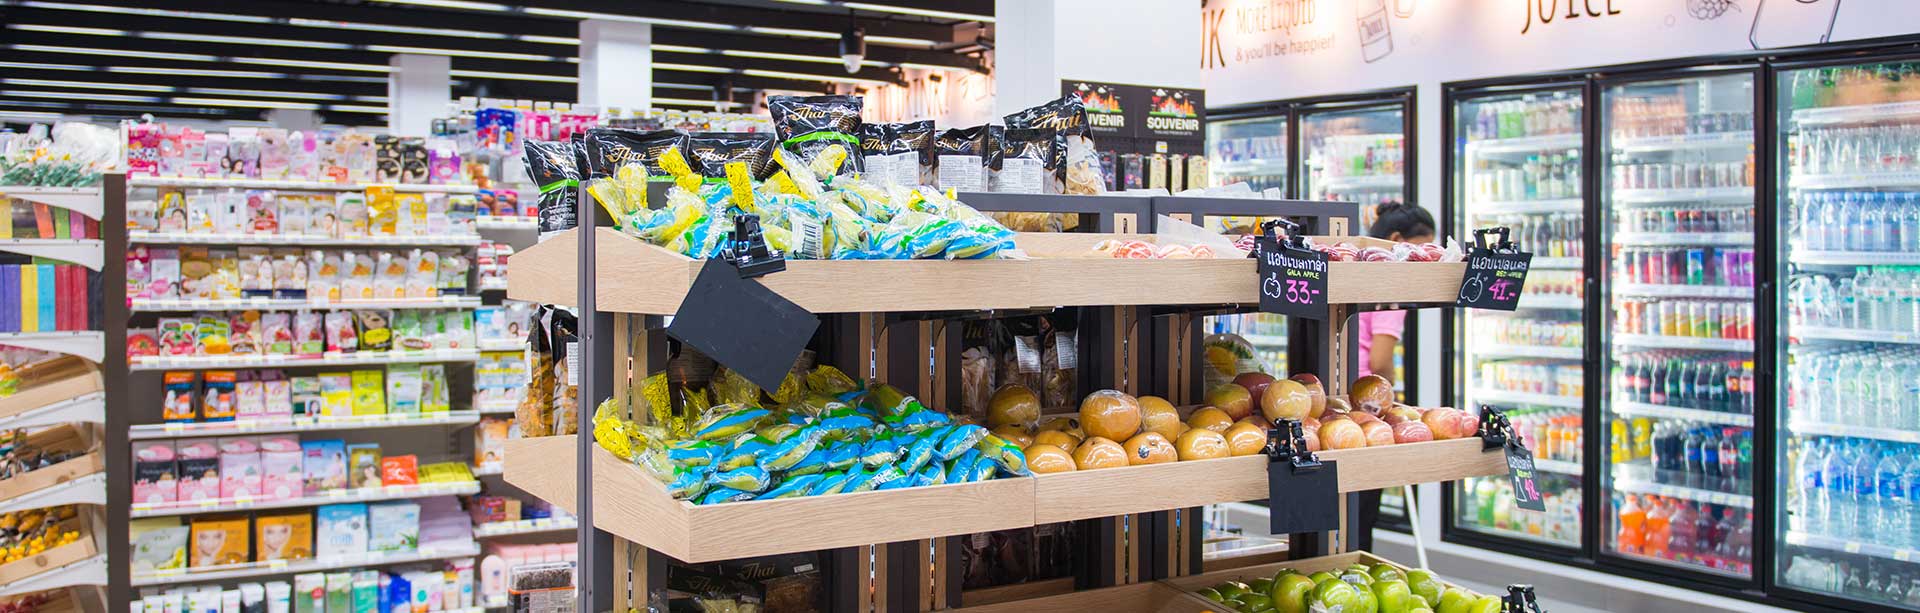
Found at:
<point>1729,456</point>
<point>1691,450</point>
<point>1659,531</point>
<point>1632,538</point>
<point>1704,539</point>
<point>1708,386</point>
<point>1679,383</point>
<point>1740,545</point>
<point>1729,388</point>
<point>1657,382</point>
<point>1682,529</point>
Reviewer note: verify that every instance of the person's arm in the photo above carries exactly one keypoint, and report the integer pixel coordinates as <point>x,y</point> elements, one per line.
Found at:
<point>1380,356</point>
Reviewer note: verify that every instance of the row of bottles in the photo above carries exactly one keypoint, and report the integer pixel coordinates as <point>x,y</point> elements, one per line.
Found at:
<point>1525,117</point>
<point>1869,386</point>
<point>1549,377</point>
<point>1688,172</point>
<point>1555,235</point>
<point>1875,298</point>
<point>1690,219</point>
<point>1857,577</point>
<point>1720,382</point>
<point>1856,489</point>
<point>1686,532</point>
<point>1696,266</point>
<point>1683,453</point>
<point>1527,332</point>
<point>1855,85</point>
<point>1361,155</point>
<point>1855,150</point>
<point>1490,506</point>
<point>1669,115</point>
<point>1538,177</point>
<point>1554,283</point>
<point>1553,434</point>
<point>1686,318</point>
<point>1858,221</point>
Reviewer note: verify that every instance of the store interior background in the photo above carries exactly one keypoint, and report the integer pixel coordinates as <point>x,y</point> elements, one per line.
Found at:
<point>1173,43</point>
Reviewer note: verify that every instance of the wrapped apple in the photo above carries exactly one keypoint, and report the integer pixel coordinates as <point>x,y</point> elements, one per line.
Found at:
<point>1201,444</point>
<point>1286,399</point>
<point>1149,448</point>
<point>1400,413</point>
<point>1372,393</point>
<point>1111,415</point>
<point>1378,433</point>
<point>1315,391</point>
<point>1233,399</point>
<point>1342,434</point>
<point>1245,438</point>
<point>1414,431</point>
<point>1255,382</point>
<point>1210,418</point>
<point>1448,423</point>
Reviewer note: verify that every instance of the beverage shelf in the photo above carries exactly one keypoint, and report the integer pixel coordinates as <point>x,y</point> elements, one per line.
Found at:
<point>1523,144</point>
<point>1683,239</point>
<point>1360,182</point>
<point>1857,180</point>
<point>1850,334</point>
<point>1550,263</point>
<point>86,344</point>
<point>1831,543</point>
<point>1851,258</point>
<point>143,237</point>
<point>1557,301</point>
<point>1801,426</point>
<point>1635,486</point>
<point>1465,523</point>
<point>283,567</point>
<point>1704,194</point>
<point>250,304</point>
<point>86,200</point>
<point>1558,467</point>
<point>1487,396</point>
<point>368,494</point>
<point>301,424</point>
<point>1483,350</point>
<point>1642,409</point>
<point>1682,291</point>
<point>1252,167</point>
<point>1655,341</point>
<point>1857,113</point>
<point>195,362</point>
<point>294,186</point>
<point>1679,142</point>
<point>83,251</point>
<point>501,222</point>
<point>525,526</point>
<point>1522,207</point>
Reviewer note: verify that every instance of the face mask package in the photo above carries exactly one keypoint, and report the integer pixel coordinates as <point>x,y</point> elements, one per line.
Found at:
<point>960,159</point>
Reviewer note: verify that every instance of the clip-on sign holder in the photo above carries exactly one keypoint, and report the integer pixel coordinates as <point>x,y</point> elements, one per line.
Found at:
<point>748,251</point>
<point>1504,245</point>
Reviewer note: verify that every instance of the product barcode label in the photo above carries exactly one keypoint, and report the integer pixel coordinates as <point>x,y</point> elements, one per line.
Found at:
<point>573,363</point>
<point>962,173</point>
<point>1026,350</point>
<point>1066,349</point>
<point>809,238</point>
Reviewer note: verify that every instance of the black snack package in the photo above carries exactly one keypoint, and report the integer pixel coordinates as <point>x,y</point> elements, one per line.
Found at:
<point>1066,116</point>
<point>873,138</point>
<point>550,164</point>
<point>898,153</point>
<point>607,149</point>
<point>960,154</point>
<point>711,151</point>
<point>1022,161</point>
<point>915,137</point>
<point>810,124</point>
<point>995,135</point>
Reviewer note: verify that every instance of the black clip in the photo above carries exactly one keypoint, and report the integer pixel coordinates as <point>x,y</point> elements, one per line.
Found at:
<point>748,249</point>
<point>1495,430</point>
<point>1290,238</point>
<point>1504,245</point>
<point>1287,442</point>
<point>1520,599</point>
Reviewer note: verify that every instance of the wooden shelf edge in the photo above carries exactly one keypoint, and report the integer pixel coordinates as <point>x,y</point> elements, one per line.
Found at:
<point>52,392</point>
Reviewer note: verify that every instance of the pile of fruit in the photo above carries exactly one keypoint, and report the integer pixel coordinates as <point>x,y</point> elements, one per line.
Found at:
<point>24,534</point>
<point>1367,417</point>
<point>821,434</point>
<point>1142,250</point>
<point>1400,252</point>
<point>1114,429</point>
<point>1381,588</point>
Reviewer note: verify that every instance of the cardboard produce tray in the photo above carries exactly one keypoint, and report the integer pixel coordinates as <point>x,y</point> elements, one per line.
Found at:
<point>54,557</point>
<point>64,437</point>
<point>59,384</point>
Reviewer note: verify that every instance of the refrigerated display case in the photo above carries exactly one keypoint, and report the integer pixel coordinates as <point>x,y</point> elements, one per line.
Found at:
<point>1355,153</point>
<point>1848,456</point>
<point>1678,228</point>
<point>1516,162</point>
<point>1252,150</point>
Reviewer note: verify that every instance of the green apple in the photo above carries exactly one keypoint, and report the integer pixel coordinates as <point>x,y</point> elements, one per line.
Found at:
<point>1394,595</point>
<point>1210,594</point>
<point>1256,600</point>
<point>1386,572</point>
<point>1419,610</point>
<point>1231,590</point>
<point>1333,596</point>
<point>1425,585</point>
<point>1321,577</point>
<point>1486,604</point>
<point>1289,593</point>
<point>1365,602</point>
<point>1260,586</point>
<point>1455,600</point>
<point>1359,580</point>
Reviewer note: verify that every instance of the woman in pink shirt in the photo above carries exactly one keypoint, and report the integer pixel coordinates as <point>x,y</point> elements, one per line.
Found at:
<point>1381,331</point>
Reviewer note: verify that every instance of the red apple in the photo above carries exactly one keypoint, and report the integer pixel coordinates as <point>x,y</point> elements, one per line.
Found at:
<point>1448,424</point>
<point>1400,413</point>
<point>1286,399</point>
<point>1342,434</point>
<point>1315,389</point>
<point>1255,382</point>
<point>1362,417</point>
<point>1378,433</point>
<point>1414,431</point>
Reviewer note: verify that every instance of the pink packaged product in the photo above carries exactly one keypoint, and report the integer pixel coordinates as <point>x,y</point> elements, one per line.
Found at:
<point>240,469</point>
<point>279,396</point>
<point>143,149</point>
<point>139,272</point>
<point>155,473</point>
<point>280,461</point>
<point>172,159</point>
<point>250,395</point>
<point>199,469</point>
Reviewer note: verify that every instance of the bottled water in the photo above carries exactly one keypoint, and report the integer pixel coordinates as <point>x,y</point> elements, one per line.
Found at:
<point>1807,512</point>
<point>1910,485</point>
<point>1892,506</point>
<point>1909,218</point>
<point>1865,495</point>
<point>1832,500</point>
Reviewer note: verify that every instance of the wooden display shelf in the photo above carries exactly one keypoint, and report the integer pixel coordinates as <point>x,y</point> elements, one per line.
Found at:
<point>72,383</point>
<point>632,505</point>
<point>64,437</point>
<point>54,557</point>
<point>637,277</point>
<point>1163,487</point>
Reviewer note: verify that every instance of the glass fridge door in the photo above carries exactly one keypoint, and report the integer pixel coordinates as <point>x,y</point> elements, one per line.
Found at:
<point>1251,151</point>
<point>1849,418</point>
<point>1677,407</point>
<point>1516,163</point>
<point>1354,155</point>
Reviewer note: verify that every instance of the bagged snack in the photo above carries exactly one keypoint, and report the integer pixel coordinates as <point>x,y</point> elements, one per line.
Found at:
<point>1076,164</point>
<point>711,151</point>
<point>897,153</point>
<point>1023,160</point>
<point>809,126</point>
<point>960,159</point>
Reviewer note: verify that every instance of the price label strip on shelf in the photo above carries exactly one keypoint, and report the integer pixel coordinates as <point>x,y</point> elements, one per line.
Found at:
<point>1497,432</point>
<point>739,322</point>
<point>1303,493</point>
<point>1293,277</point>
<point>1496,273</point>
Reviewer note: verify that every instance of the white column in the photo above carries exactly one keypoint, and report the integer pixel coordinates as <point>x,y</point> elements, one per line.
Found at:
<point>1037,43</point>
<point>417,92</point>
<point>1024,72</point>
<point>616,64</point>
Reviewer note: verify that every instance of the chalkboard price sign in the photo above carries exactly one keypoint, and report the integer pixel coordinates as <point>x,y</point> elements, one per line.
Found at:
<point>1293,282</point>
<point>1520,471</point>
<point>1495,273</point>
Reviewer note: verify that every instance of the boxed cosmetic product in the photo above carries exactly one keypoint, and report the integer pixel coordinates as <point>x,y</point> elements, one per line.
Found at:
<point>435,397</point>
<point>159,543</point>
<point>283,536</point>
<point>181,399</point>
<point>250,395</point>
<point>310,593</point>
<point>399,470</point>
<point>281,460</point>
<point>369,397</point>
<point>199,461</point>
<point>218,394</point>
<point>279,394</point>
<point>336,394</point>
<point>155,473</point>
<point>341,530</point>
<point>240,470</point>
<point>403,388</point>
<point>308,398</point>
<point>490,442</point>
<point>363,465</point>
<point>443,523</point>
<point>324,465</point>
<point>394,526</point>
<point>220,539</point>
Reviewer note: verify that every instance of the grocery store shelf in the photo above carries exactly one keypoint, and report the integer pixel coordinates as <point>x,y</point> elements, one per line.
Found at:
<point>249,304</point>
<point>1851,258</point>
<point>1360,182</point>
<point>83,251</point>
<point>1487,396</point>
<point>1635,486</point>
<point>301,240</point>
<point>1252,167</point>
<point>492,222</point>
<point>1849,334</point>
<point>286,361</point>
<point>1642,409</point>
<point>284,567</point>
<point>1523,144</point>
<point>89,345</point>
<point>500,602</point>
<point>1521,207</point>
<point>1549,263</point>
<point>1857,113</point>
<point>488,470</point>
<point>1682,291</point>
<point>91,489</point>
<point>1856,180</point>
<point>86,200</point>
<point>90,571</point>
<point>494,284</point>
<point>1556,301</point>
<point>501,344</point>
<point>1799,426</point>
<point>524,526</point>
<point>301,424</point>
<point>295,186</point>
<point>88,408</point>
<point>1830,543</point>
<point>496,409</point>
<point>1703,140</point>
<point>1487,350</point>
<point>1683,239</point>
<point>1682,342</point>
<point>1558,467</point>
<point>1705,194</point>
<point>369,494</point>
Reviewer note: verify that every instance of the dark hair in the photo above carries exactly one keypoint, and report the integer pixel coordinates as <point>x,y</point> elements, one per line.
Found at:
<point>1409,220</point>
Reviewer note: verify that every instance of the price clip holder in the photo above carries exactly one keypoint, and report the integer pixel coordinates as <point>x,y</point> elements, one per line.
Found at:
<point>1292,276</point>
<point>1520,599</point>
<point>1496,272</point>
<point>1303,492</point>
<point>739,322</point>
<point>1496,432</point>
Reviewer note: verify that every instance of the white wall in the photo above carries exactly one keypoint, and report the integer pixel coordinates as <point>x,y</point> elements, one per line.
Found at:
<point>1040,42</point>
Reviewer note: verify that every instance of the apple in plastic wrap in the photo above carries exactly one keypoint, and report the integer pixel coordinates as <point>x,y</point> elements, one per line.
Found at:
<point>1415,431</point>
<point>1233,399</point>
<point>1378,433</point>
<point>1210,418</point>
<point>1449,423</point>
<point>1158,415</point>
<point>1286,399</point>
<point>1315,389</point>
<point>1255,382</point>
<point>1342,434</point>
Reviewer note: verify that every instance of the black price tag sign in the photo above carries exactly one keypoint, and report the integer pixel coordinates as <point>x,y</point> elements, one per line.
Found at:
<point>1493,280</point>
<point>742,325</point>
<point>1302,500</point>
<point>1520,471</point>
<point>1293,282</point>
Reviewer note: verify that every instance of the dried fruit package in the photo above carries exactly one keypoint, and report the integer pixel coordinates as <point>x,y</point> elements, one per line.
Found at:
<point>808,126</point>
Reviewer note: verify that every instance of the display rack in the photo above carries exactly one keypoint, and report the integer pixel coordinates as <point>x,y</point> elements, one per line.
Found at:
<point>623,511</point>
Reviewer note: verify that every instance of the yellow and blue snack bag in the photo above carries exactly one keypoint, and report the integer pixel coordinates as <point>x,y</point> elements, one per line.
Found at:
<point>960,439</point>
<point>747,479</point>
<point>725,494</point>
<point>920,451</point>
<point>725,421</point>
<point>834,482</point>
<point>792,487</point>
<point>960,469</point>
<point>791,451</point>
